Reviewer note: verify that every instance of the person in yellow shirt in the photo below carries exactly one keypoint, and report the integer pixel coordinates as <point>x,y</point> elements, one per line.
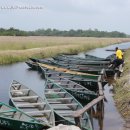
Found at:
<point>119,54</point>
<point>119,58</point>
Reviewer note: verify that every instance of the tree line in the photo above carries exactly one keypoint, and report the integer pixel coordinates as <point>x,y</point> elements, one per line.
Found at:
<point>54,32</point>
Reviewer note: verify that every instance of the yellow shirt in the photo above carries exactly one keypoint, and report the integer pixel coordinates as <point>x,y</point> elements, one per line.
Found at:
<point>119,54</point>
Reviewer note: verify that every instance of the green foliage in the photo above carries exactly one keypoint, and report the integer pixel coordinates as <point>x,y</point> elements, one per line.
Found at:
<point>12,32</point>
<point>54,32</point>
<point>77,33</point>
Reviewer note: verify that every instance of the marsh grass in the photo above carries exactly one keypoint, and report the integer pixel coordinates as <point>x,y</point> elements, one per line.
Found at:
<point>15,49</point>
<point>122,89</point>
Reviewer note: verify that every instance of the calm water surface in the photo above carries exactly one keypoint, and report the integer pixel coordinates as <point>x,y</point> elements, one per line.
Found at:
<point>20,72</point>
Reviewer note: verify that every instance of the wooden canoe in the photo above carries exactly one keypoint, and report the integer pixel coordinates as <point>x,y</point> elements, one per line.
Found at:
<point>53,62</point>
<point>29,102</point>
<point>97,70</point>
<point>91,84</point>
<point>60,69</point>
<point>12,118</point>
<point>64,105</point>
<point>81,61</point>
<point>88,57</point>
<point>78,68</point>
<point>81,93</point>
<point>84,69</point>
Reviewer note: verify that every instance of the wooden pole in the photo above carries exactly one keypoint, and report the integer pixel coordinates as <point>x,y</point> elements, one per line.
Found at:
<point>78,113</point>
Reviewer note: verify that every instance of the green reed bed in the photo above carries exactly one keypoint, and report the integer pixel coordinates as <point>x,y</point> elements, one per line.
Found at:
<point>15,49</point>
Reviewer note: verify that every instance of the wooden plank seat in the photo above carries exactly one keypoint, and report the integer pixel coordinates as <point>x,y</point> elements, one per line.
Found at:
<point>38,112</point>
<point>25,97</point>
<point>60,98</point>
<point>67,114</point>
<point>64,84</point>
<point>20,90</point>
<point>53,89</point>
<point>54,102</point>
<point>16,83</point>
<point>55,92</point>
<point>75,89</point>
<point>30,104</point>
<point>57,80</point>
<point>64,108</point>
<point>62,111</point>
<point>69,104</point>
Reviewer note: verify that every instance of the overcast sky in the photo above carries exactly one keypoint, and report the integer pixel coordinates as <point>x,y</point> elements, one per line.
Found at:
<point>107,15</point>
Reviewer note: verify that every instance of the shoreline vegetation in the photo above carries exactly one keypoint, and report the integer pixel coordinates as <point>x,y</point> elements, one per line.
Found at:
<point>65,33</point>
<point>122,90</point>
<point>16,49</point>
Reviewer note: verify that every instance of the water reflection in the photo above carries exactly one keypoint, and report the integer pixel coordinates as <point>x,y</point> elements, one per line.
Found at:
<point>97,113</point>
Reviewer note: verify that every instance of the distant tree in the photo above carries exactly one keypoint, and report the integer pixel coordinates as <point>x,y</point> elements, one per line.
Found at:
<point>54,32</point>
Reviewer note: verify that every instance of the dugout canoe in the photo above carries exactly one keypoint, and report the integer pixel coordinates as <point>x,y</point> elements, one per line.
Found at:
<point>81,93</point>
<point>81,61</point>
<point>14,119</point>
<point>91,57</point>
<point>53,62</point>
<point>60,69</point>
<point>91,84</point>
<point>85,69</point>
<point>87,83</point>
<point>64,106</point>
<point>29,102</point>
<point>87,57</point>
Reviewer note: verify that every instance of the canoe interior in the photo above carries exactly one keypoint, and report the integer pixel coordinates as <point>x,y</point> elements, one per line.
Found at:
<point>64,105</point>
<point>12,118</point>
<point>28,101</point>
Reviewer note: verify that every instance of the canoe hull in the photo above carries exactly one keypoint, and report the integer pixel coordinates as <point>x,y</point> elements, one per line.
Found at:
<point>18,125</point>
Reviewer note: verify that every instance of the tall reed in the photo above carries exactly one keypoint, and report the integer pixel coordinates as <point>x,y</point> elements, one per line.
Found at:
<point>15,49</point>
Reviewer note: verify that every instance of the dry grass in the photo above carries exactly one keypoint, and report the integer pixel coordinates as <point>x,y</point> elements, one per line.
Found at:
<point>14,49</point>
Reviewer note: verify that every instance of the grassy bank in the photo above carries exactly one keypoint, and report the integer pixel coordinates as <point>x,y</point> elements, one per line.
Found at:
<point>122,89</point>
<point>15,49</point>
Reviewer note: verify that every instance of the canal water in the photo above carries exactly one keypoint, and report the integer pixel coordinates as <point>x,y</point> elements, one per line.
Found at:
<point>20,71</point>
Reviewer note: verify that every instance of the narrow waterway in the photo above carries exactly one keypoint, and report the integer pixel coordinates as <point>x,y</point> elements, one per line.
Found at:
<point>21,72</point>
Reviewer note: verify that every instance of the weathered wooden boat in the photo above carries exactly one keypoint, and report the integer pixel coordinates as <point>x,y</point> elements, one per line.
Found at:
<point>33,65</point>
<point>87,56</point>
<point>14,119</point>
<point>60,69</point>
<point>81,93</point>
<point>78,68</point>
<point>88,69</point>
<point>53,62</point>
<point>64,105</point>
<point>29,102</point>
<point>81,61</point>
<point>87,83</point>
<point>91,84</point>
<point>85,69</point>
